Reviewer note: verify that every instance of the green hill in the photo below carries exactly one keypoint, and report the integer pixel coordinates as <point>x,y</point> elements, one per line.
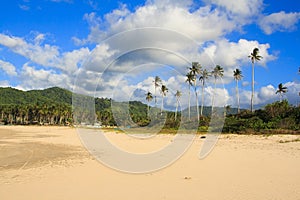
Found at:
<point>51,95</point>
<point>54,106</point>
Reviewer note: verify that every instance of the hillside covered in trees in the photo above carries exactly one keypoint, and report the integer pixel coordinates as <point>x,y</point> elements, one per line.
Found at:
<point>53,106</point>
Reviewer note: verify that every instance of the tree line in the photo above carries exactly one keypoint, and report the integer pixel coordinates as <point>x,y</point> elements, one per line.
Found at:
<point>43,114</point>
<point>53,106</point>
<point>198,73</point>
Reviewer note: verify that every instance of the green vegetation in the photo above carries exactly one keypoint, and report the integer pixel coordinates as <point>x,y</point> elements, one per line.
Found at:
<point>53,106</point>
<point>279,117</point>
<point>57,106</point>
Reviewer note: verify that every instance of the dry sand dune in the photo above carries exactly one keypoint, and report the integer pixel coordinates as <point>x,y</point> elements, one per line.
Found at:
<point>51,163</point>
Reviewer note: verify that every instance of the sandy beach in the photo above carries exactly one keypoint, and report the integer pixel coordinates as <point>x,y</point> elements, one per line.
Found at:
<point>51,163</point>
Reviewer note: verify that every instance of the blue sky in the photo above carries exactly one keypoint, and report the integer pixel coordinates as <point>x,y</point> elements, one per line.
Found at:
<point>91,46</point>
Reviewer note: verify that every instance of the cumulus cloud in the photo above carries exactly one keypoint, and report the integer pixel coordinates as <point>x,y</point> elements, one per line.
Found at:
<point>8,68</point>
<point>235,54</point>
<point>231,55</point>
<point>280,21</point>
<point>132,46</point>
<point>267,94</point>
<point>158,25</point>
<point>45,55</point>
<point>71,61</point>
<point>202,24</point>
<point>293,92</point>
<point>34,78</point>
<point>239,7</point>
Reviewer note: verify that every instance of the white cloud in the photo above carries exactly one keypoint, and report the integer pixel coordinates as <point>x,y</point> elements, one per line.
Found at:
<point>267,94</point>
<point>159,24</point>
<point>43,55</point>
<point>96,34</point>
<point>232,55</point>
<point>71,61</point>
<point>165,32</point>
<point>39,38</point>
<point>240,8</point>
<point>174,3</point>
<point>40,78</point>
<point>264,95</point>
<point>221,96</point>
<point>8,68</point>
<point>280,21</point>
<point>202,24</point>
<point>293,92</point>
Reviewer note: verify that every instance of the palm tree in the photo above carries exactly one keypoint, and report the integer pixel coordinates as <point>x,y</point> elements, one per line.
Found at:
<point>281,90</point>
<point>254,56</point>
<point>189,80</point>
<point>237,75</point>
<point>217,73</point>
<point>177,95</point>
<point>163,91</point>
<point>195,70</point>
<point>157,82</point>
<point>149,98</point>
<point>227,108</point>
<point>204,76</point>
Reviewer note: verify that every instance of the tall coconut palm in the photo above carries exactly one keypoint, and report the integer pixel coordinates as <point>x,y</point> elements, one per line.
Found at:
<point>204,75</point>
<point>177,95</point>
<point>163,91</point>
<point>281,90</point>
<point>237,75</point>
<point>157,82</point>
<point>195,70</point>
<point>189,80</point>
<point>254,56</point>
<point>218,72</point>
<point>149,98</point>
<point>227,109</point>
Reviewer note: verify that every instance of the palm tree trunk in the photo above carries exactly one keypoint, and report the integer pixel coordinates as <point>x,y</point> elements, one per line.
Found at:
<point>213,98</point>
<point>189,102</point>
<point>252,95</point>
<point>197,104</point>
<point>202,100</point>
<point>176,110</point>
<point>162,104</point>
<point>238,95</point>
<point>196,95</point>
<point>155,96</point>
<point>280,97</point>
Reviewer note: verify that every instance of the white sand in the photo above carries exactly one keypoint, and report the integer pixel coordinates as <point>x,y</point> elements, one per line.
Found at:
<point>50,163</point>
